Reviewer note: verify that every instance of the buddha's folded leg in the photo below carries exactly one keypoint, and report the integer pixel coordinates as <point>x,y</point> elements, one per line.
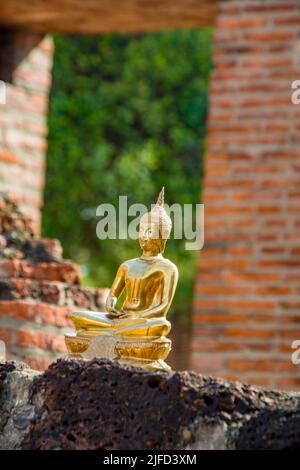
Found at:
<point>86,319</point>
<point>96,332</point>
<point>145,327</point>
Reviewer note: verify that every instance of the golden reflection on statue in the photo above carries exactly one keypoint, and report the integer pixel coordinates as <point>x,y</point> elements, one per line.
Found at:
<point>136,333</point>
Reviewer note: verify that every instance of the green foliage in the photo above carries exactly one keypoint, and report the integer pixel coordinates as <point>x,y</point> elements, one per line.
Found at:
<point>127,116</point>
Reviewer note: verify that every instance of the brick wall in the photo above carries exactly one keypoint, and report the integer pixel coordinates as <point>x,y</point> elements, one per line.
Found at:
<point>38,289</point>
<point>247,295</point>
<point>25,67</point>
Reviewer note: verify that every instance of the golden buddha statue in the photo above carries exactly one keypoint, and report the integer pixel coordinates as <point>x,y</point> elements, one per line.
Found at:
<point>136,333</point>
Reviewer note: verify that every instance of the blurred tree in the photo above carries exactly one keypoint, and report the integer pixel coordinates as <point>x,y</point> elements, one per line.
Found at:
<point>127,116</point>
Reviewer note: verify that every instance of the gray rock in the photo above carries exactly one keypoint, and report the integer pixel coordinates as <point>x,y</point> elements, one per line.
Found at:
<point>16,410</point>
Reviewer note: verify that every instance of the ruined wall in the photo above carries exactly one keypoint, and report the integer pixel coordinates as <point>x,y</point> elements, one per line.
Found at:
<point>25,69</point>
<point>38,289</point>
<point>247,296</point>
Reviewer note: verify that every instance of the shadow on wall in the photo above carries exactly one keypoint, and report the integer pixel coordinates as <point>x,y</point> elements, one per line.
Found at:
<point>179,358</point>
<point>10,55</point>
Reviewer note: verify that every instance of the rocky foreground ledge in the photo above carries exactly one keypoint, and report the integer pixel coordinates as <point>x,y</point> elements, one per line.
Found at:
<point>100,405</point>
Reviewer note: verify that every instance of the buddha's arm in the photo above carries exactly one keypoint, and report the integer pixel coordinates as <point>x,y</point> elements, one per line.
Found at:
<point>170,283</point>
<point>115,292</point>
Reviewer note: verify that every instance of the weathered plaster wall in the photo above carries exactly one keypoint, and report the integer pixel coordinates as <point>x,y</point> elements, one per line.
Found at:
<point>38,289</point>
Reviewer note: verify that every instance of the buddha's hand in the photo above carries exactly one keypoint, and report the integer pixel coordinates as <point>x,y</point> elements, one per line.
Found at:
<point>111,306</point>
<point>121,315</point>
<point>114,313</point>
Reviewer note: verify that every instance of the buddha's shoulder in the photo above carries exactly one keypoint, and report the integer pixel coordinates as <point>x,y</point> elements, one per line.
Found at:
<point>130,262</point>
<point>168,265</point>
<point>163,263</point>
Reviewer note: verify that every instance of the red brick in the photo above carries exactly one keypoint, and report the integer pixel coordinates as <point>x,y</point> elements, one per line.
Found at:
<point>290,305</point>
<point>260,381</point>
<point>248,333</point>
<point>230,377</point>
<point>259,346</point>
<point>277,35</point>
<point>239,251</point>
<point>288,382</point>
<point>290,319</point>
<point>293,333</point>
<point>47,291</point>
<point>275,6</point>
<point>220,290</point>
<point>240,22</point>
<point>22,120</point>
<point>219,318</point>
<point>250,277</point>
<point>9,268</point>
<point>273,291</point>
<point>216,346</point>
<point>211,332</point>
<point>41,339</point>
<point>207,303</point>
<point>256,305</point>
<point>247,290</point>
<point>7,157</point>
<point>37,312</point>
<point>268,62</point>
<point>271,365</point>
<point>279,263</point>
<point>287,20</point>
<point>284,347</point>
<point>206,364</point>
<point>38,363</point>
<point>223,264</point>
<point>50,271</point>
<point>6,335</point>
<point>205,276</point>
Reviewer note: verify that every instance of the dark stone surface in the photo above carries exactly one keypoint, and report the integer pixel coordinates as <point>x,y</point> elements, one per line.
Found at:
<point>100,405</point>
<point>271,429</point>
<point>6,369</point>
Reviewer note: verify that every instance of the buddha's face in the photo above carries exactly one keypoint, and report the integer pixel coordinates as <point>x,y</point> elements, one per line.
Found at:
<point>149,238</point>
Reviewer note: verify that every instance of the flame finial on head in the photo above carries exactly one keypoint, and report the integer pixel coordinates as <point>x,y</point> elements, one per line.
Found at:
<point>159,217</point>
<point>161,198</point>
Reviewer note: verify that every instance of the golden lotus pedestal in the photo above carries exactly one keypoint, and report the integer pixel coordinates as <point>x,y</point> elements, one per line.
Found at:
<point>148,352</point>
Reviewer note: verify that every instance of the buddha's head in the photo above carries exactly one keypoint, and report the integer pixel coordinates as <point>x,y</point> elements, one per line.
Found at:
<point>155,228</point>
